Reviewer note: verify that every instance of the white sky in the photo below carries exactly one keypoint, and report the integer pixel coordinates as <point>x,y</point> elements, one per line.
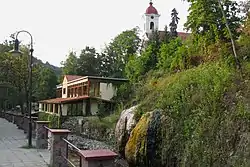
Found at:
<point>59,26</point>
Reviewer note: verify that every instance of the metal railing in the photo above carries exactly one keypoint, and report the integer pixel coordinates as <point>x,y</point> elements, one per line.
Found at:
<point>72,154</point>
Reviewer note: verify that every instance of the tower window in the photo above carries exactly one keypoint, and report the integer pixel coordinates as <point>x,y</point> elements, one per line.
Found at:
<point>151,25</point>
<point>152,17</point>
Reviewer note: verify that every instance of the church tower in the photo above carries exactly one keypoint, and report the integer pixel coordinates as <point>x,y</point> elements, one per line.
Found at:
<point>151,19</point>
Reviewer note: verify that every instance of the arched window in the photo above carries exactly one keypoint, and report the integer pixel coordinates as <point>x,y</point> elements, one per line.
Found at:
<point>151,25</point>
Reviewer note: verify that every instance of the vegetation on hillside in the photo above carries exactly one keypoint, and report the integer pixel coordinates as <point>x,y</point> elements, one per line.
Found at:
<point>14,79</point>
<point>193,102</point>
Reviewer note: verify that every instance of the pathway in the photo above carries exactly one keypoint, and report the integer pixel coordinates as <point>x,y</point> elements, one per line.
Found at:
<point>11,152</point>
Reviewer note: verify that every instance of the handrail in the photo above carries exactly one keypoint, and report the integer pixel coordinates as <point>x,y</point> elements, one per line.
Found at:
<point>73,148</point>
<point>65,158</point>
<point>72,145</point>
<point>67,153</point>
<point>46,127</point>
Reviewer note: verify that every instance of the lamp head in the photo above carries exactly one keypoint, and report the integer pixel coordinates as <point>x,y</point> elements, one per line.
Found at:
<point>16,52</point>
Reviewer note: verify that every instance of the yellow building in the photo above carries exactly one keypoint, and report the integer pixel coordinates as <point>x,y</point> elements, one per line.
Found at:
<point>81,95</point>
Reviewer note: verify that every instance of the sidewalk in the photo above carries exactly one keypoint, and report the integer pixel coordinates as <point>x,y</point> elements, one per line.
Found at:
<point>11,152</point>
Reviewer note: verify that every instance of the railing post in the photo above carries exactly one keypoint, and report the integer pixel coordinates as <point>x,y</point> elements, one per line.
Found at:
<point>97,158</point>
<point>15,119</point>
<point>25,124</point>
<point>42,134</point>
<point>34,120</point>
<point>58,147</point>
<point>1,113</point>
<point>19,121</point>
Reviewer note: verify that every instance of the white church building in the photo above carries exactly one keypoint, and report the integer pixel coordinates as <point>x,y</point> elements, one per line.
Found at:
<point>151,23</point>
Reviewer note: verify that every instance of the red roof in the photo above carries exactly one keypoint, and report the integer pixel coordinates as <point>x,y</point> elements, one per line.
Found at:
<point>182,35</point>
<point>64,100</point>
<point>151,9</point>
<point>72,77</point>
<point>70,99</point>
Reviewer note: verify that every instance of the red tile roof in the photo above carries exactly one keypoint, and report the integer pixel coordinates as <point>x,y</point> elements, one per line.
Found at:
<point>63,100</point>
<point>72,77</point>
<point>151,9</point>
<point>70,99</point>
<point>182,35</point>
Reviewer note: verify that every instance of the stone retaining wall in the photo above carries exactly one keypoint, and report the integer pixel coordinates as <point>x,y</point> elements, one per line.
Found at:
<point>87,129</point>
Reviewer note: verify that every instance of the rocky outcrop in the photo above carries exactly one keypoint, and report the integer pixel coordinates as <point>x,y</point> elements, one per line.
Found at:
<point>124,127</point>
<point>146,144</point>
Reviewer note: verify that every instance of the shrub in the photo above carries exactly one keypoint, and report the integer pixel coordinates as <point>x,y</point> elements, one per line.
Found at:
<point>53,118</point>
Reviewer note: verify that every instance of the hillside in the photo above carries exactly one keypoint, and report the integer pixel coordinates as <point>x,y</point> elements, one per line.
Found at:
<point>56,69</point>
<point>195,117</point>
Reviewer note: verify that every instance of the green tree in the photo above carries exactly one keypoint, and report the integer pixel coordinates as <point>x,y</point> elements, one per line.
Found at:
<point>44,86</point>
<point>167,36</point>
<point>167,53</point>
<point>69,66</point>
<point>88,62</point>
<point>206,20</point>
<point>212,21</point>
<point>173,25</point>
<point>119,51</point>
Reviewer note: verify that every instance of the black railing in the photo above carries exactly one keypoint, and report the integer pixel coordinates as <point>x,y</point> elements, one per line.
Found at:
<point>72,154</point>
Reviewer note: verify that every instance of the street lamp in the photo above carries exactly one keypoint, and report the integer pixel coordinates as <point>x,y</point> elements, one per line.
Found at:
<point>16,52</point>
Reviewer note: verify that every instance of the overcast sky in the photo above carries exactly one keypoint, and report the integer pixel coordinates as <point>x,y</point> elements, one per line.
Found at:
<point>59,26</point>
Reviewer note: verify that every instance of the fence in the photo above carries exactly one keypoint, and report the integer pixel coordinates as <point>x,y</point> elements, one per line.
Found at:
<point>62,152</point>
<point>22,121</point>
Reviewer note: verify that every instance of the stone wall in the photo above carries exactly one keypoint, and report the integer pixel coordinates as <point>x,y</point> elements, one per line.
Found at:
<point>91,128</point>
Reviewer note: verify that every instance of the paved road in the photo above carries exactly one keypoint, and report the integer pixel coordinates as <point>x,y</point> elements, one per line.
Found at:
<point>11,153</point>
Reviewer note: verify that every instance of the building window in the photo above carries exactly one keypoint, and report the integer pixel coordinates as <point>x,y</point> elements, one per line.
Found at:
<point>151,25</point>
<point>64,90</point>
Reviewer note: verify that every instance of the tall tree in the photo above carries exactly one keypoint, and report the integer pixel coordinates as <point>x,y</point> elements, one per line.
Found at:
<point>44,86</point>
<point>119,51</point>
<point>88,62</point>
<point>69,66</point>
<point>215,20</point>
<point>174,22</point>
<point>166,38</point>
<point>206,19</point>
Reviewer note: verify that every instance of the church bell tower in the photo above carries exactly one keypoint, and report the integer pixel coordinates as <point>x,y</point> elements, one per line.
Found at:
<point>151,19</point>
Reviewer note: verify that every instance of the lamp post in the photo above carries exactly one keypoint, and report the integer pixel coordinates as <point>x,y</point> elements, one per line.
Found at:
<point>16,52</point>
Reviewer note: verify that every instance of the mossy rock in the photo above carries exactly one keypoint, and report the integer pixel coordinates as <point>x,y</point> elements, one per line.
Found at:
<point>144,145</point>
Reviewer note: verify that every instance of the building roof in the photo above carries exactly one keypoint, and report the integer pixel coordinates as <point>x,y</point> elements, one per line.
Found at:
<point>99,78</point>
<point>72,77</point>
<point>182,35</point>
<point>151,9</point>
<point>69,100</point>
<point>63,100</point>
